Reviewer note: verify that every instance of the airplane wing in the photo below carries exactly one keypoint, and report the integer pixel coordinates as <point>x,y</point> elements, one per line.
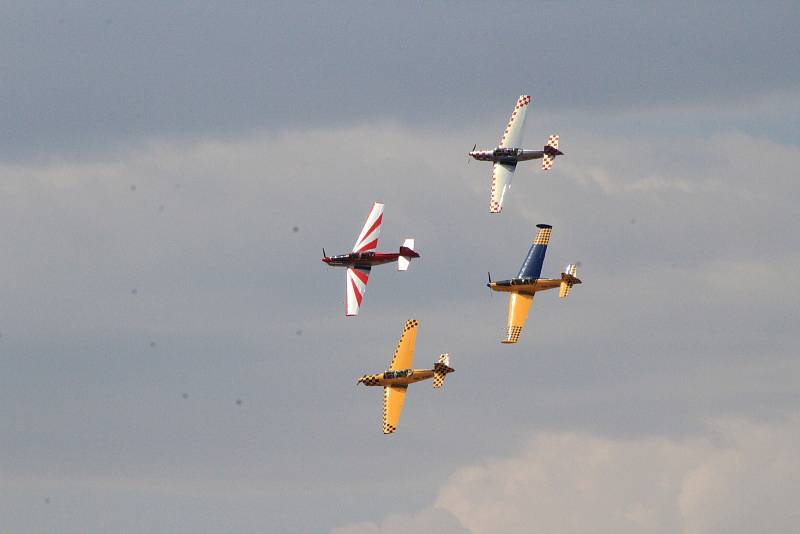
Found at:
<point>518,306</point>
<point>532,266</point>
<point>512,136</point>
<point>502,174</point>
<point>404,353</point>
<point>368,238</point>
<point>393,398</point>
<point>357,278</point>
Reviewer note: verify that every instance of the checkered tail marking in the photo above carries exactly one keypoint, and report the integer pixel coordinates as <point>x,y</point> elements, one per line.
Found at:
<point>440,370</point>
<point>548,159</point>
<point>568,279</point>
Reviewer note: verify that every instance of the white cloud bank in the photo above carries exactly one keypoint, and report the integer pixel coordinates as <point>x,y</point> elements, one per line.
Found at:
<point>740,476</point>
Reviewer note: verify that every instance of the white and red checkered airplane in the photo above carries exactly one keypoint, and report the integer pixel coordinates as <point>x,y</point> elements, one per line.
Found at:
<point>363,257</point>
<point>508,153</point>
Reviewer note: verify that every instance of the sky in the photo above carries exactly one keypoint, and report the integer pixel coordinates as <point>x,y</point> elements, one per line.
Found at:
<point>175,358</point>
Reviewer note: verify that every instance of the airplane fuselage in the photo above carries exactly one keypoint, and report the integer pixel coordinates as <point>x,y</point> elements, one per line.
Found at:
<point>523,285</point>
<point>512,156</point>
<point>401,377</point>
<point>361,259</point>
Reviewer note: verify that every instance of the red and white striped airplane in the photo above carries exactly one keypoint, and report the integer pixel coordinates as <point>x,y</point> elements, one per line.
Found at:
<point>363,258</point>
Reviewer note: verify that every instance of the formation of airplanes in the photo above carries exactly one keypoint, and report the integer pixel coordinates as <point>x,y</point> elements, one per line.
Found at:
<point>360,261</point>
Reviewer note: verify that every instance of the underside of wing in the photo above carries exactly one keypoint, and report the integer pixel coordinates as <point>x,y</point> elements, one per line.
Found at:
<point>393,399</point>
<point>368,238</point>
<point>518,306</point>
<point>357,278</point>
<point>502,174</point>
<point>404,353</point>
<point>512,135</point>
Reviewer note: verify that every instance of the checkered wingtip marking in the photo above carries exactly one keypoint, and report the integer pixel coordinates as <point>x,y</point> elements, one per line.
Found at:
<point>543,237</point>
<point>522,101</point>
<point>494,205</point>
<point>512,334</point>
<point>387,428</point>
<point>411,323</point>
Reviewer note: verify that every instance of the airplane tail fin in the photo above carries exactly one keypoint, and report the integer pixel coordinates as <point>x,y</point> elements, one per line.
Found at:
<point>568,279</point>
<point>407,252</point>
<point>440,370</point>
<point>550,152</point>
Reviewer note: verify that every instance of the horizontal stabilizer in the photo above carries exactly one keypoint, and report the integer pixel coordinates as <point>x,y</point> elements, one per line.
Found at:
<point>440,370</point>
<point>550,152</point>
<point>568,280</point>
<point>406,253</point>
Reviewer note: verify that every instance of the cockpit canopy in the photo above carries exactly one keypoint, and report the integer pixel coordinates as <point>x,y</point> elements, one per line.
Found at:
<point>507,152</point>
<point>402,373</point>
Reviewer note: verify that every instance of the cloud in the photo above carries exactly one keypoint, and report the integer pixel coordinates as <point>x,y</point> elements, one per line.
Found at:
<point>739,476</point>
<point>429,520</point>
<point>658,336</point>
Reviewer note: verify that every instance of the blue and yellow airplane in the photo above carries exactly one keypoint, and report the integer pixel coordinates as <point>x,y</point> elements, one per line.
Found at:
<point>527,283</point>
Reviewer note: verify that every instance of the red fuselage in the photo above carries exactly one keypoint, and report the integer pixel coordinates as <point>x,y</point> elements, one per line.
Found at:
<point>364,259</point>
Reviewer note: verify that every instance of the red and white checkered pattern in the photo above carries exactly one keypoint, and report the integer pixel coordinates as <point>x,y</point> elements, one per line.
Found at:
<point>547,160</point>
<point>482,155</point>
<point>501,181</point>
<point>512,135</point>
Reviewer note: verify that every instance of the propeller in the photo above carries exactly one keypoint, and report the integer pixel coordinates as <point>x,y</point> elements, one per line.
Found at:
<point>323,253</point>
<point>489,285</point>
<point>473,150</point>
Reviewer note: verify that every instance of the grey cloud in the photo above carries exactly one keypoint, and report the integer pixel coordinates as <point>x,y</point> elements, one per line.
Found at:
<point>661,335</point>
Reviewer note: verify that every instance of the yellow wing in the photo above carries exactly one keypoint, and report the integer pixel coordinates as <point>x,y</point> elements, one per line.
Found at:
<point>393,398</point>
<point>404,353</point>
<point>518,306</point>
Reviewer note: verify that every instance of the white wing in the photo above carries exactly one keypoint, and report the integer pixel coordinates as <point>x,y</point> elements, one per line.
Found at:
<point>512,136</point>
<point>368,238</point>
<point>357,278</point>
<point>501,182</point>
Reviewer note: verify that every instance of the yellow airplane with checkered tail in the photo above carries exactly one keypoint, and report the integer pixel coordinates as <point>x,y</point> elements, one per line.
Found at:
<point>400,375</point>
<point>527,283</point>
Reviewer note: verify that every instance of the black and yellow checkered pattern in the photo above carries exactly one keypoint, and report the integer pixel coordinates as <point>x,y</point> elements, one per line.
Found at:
<point>512,334</point>
<point>409,325</point>
<point>543,237</point>
<point>387,427</point>
<point>371,380</point>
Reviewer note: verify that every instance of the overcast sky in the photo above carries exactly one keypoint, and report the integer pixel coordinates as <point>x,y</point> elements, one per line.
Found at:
<point>175,358</point>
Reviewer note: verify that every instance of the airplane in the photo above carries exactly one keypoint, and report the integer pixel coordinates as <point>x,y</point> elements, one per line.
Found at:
<point>400,375</point>
<point>363,258</point>
<point>508,153</point>
<point>527,283</point>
